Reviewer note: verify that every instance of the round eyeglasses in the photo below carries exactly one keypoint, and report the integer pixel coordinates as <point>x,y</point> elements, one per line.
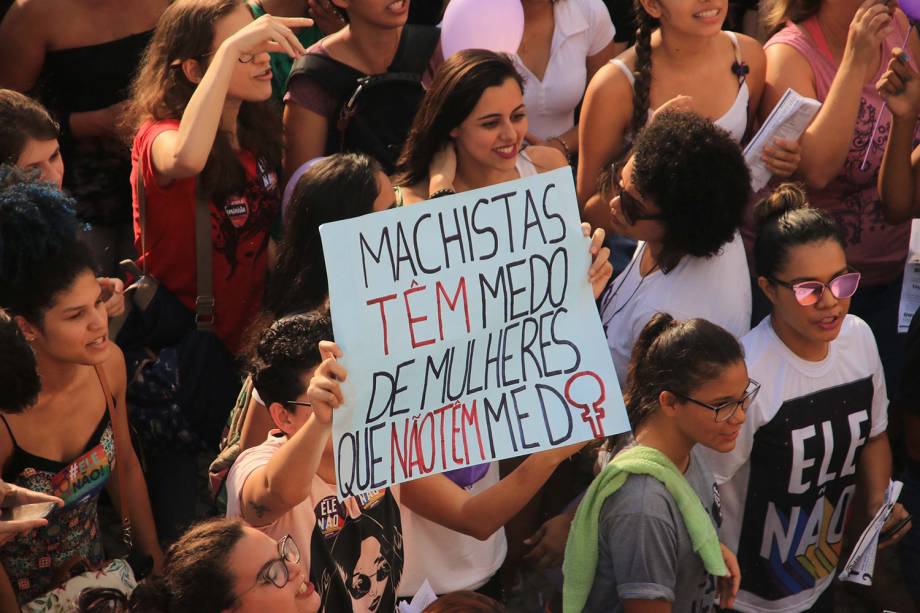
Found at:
<point>277,570</point>
<point>725,411</point>
<point>808,293</point>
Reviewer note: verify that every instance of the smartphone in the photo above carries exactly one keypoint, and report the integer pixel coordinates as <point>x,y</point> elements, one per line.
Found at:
<point>36,510</point>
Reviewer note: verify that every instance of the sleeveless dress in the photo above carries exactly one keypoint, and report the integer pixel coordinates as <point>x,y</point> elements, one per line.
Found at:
<point>31,559</point>
<point>874,247</point>
<point>735,120</point>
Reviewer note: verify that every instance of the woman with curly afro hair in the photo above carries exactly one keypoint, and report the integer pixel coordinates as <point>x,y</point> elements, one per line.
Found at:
<point>681,195</point>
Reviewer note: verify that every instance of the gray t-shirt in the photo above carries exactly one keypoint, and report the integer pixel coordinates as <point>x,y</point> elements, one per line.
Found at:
<point>644,549</point>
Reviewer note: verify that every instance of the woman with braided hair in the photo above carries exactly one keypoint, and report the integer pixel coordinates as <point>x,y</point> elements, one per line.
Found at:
<point>682,59</point>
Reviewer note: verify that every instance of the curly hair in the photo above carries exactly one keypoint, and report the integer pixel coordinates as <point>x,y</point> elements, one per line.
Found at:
<point>695,173</point>
<point>195,576</point>
<point>40,255</point>
<point>677,356</point>
<point>289,348</point>
<point>19,377</point>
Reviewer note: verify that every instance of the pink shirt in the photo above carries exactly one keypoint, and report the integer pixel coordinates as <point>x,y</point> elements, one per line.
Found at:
<point>875,248</point>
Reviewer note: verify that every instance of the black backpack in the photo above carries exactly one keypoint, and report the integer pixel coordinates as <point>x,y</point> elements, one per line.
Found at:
<point>375,112</point>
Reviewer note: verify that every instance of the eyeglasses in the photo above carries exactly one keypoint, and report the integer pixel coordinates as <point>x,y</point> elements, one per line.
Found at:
<point>244,58</point>
<point>726,410</point>
<point>277,571</point>
<point>630,206</point>
<point>359,584</point>
<point>299,403</point>
<point>808,293</point>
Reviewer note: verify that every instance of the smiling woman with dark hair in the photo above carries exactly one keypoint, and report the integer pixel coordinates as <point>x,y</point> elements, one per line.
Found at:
<point>816,438</point>
<point>681,195</point>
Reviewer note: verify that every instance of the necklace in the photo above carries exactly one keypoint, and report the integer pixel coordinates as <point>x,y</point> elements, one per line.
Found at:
<point>607,300</point>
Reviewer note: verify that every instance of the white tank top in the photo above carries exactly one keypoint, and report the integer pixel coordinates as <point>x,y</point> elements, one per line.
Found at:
<point>525,166</point>
<point>734,121</point>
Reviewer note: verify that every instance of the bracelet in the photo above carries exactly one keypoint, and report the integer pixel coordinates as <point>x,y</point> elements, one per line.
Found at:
<point>447,191</point>
<point>565,147</point>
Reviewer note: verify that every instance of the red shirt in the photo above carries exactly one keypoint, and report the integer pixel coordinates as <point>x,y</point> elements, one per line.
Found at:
<point>239,235</point>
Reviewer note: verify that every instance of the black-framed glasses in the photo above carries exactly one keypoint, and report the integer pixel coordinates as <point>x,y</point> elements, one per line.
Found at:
<point>277,570</point>
<point>725,411</point>
<point>299,403</point>
<point>631,207</point>
<point>359,584</point>
<point>808,293</point>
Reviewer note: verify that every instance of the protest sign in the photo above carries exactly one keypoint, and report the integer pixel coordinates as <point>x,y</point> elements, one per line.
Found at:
<point>469,332</point>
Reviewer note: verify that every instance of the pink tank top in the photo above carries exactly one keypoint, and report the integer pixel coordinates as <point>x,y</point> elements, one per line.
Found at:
<point>875,248</point>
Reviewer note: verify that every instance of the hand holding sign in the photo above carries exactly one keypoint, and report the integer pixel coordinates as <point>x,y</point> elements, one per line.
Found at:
<point>325,392</point>
<point>462,323</point>
<point>601,269</point>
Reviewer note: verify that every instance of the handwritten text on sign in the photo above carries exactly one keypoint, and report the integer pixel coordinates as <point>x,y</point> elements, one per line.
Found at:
<point>469,332</point>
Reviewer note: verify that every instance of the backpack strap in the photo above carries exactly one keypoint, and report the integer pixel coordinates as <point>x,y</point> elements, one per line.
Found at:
<point>337,77</point>
<point>204,299</point>
<point>416,45</point>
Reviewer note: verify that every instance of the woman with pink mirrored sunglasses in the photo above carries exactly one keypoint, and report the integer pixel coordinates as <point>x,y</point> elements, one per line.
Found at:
<point>815,438</point>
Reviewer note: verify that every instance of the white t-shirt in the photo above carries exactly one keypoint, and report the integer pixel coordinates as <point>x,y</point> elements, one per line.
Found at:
<point>716,288</point>
<point>798,448</point>
<point>583,28</point>
<point>450,560</point>
<point>353,550</point>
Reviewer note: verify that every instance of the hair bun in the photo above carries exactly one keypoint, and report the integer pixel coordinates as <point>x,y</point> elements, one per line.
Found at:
<point>786,197</point>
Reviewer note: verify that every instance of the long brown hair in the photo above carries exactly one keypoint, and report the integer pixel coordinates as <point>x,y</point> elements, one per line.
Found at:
<point>162,91</point>
<point>457,87</point>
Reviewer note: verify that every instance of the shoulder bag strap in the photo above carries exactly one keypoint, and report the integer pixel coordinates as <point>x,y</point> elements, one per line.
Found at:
<point>121,448</point>
<point>204,301</point>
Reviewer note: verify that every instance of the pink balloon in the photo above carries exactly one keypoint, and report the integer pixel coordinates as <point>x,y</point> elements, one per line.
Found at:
<point>497,25</point>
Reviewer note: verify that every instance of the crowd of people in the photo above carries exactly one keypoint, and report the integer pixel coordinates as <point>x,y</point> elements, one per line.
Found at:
<point>167,354</point>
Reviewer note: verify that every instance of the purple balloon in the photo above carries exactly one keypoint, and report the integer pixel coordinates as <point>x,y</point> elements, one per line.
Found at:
<point>911,8</point>
<point>292,183</point>
<point>497,25</point>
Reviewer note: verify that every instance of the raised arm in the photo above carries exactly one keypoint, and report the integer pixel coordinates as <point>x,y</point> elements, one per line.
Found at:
<point>898,176</point>
<point>285,481</point>
<point>826,142</point>
<point>184,152</point>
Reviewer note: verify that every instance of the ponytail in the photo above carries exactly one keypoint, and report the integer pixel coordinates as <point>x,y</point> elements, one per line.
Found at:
<point>678,356</point>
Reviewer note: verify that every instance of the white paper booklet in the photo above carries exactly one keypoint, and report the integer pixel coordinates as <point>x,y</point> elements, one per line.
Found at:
<point>423,597</point>
<point>861,565</point>
<point>910,287</point>
<point>789,118</point>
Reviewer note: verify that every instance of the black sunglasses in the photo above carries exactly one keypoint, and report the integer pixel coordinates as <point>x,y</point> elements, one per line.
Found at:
<point>359,584</point>
<point>631,206</point>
